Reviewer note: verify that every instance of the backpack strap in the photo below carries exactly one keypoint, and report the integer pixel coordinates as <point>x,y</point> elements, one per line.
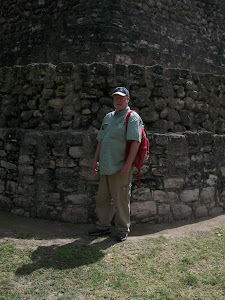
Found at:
<point>139,170</point>
<point>127,118</point>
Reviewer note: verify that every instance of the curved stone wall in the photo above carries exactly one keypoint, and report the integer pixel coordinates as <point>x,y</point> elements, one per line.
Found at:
<point>185,34</point>
<point>68,96</point>
<point>48,175</point>
<point>50,116</point>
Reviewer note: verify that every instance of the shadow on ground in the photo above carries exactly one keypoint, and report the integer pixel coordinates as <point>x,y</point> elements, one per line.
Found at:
<point>26,228</point>
<point>59,245</point>
<point>61,257</point>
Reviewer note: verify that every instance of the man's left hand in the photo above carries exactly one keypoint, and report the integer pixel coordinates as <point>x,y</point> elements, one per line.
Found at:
<point>125,170</point>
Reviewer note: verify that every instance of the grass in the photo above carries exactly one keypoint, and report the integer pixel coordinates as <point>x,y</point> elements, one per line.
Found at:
<point>159,268</point>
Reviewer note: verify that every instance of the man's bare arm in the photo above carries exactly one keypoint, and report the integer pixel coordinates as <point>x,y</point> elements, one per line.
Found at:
<point>95,165</point>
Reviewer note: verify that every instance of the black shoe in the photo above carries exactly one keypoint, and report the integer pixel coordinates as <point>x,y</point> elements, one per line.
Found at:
<point>121,237</point>
<point>99,232</point>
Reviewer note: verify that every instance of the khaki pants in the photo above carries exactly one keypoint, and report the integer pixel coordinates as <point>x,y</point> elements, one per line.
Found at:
<point>114,198</point>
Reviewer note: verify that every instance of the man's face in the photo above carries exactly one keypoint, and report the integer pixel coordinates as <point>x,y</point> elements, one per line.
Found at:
<point>120,102</point>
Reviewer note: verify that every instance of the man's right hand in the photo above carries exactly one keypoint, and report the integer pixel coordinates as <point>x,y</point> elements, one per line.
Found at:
<point>95,166</point>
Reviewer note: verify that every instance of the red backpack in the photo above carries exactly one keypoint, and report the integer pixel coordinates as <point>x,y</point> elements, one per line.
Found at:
<point>143,151</point>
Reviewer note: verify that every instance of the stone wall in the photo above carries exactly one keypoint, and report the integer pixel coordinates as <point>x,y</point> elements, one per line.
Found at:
<point>186,34</point>
<point>50,116</point>
<point>68,96</point>
<point>48,175</point>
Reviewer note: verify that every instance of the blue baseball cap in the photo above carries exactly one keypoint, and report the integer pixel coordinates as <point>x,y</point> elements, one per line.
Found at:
<point>122,91</point>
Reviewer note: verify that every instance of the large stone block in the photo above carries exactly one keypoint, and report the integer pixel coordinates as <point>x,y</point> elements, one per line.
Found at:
<point>65,163</point>
<point>22,201</point>
<point>25,160</point>
<point>173,116</point>
<point>5,203</point>
<point>161,139</point>
<point>212,180</point>
<point>56,103</point>
<point>53,198</point>
<point>201,211</point>
<point>186,118</point>
<point>181,212</point>
<point>65,185</point>
<point>189,195</point>
<point>177,145</point>
<point>11,187</point>
<point>223,171</point>
<point>142,194</point>
<point>8,165</point>
<point>18,211</point>
<point>75,214</point>
<point>2,186</point>
<point>81,199</point>
<point>65,173</point>
<point>25,170</point>
<point>148,115</point>
<point>164,210</point>
<point>88,174</point>
<point>160,196</point>
<point>173,183</point>
<point>60,151</point>
<point>216,211</point>
<point>223,195</point>
<point>177,104</point>
<point>208,194</point>
<point>143,210</point>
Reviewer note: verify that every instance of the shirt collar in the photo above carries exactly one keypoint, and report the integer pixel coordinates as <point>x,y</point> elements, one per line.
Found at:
<point>123,112</point>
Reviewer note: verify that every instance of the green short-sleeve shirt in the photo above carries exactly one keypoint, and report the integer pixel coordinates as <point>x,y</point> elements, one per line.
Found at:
<point>113,137</point>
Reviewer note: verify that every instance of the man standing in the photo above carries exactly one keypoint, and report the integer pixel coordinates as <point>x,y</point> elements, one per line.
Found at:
<point>116,173</point>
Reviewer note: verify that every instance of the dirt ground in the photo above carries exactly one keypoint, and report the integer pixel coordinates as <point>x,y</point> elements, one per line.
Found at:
<point>49,232</point>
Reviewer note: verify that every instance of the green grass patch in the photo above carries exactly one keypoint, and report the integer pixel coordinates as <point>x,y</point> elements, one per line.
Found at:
<point>188,268</point>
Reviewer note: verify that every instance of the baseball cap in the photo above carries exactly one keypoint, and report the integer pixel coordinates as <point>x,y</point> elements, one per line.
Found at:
<point>122,91</point>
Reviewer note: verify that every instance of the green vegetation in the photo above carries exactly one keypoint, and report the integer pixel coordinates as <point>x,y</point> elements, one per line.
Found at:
<point>159,268</point>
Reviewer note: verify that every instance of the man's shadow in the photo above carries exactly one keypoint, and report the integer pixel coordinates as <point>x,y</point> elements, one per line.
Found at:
<point>69,256</point>
<point>68,245</point>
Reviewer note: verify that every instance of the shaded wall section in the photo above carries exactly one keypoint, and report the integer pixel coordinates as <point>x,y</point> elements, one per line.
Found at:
<point>184,34</point>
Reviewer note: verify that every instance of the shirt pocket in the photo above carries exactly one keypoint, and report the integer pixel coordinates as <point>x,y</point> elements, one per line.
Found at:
<point>119,132</point>
<point>104,126</point>
<point>102,132</point>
